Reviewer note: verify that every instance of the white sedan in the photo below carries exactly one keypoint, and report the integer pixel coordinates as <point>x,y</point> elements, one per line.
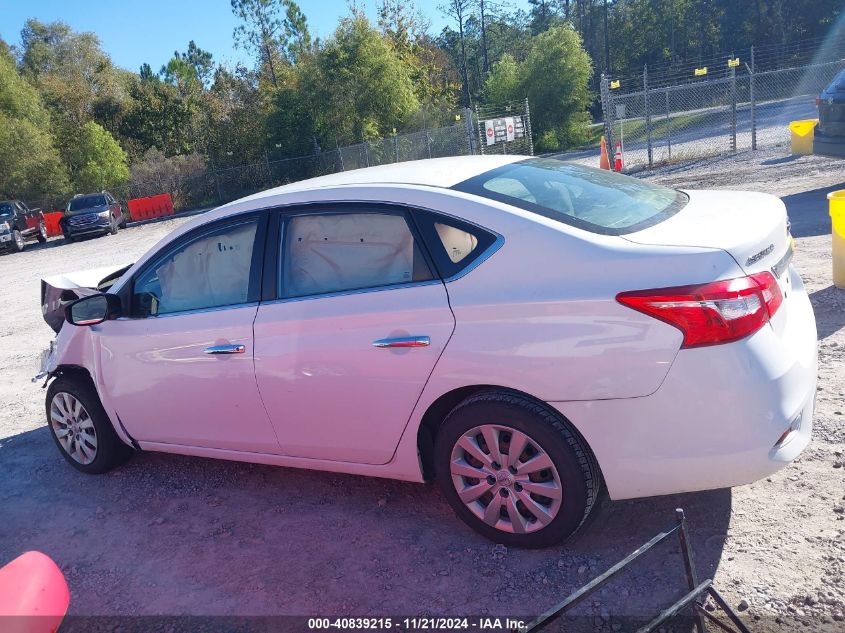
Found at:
<point>523,331</point>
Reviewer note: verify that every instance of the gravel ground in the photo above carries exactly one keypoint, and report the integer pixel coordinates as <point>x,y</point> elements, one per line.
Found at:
<point>168,535</point>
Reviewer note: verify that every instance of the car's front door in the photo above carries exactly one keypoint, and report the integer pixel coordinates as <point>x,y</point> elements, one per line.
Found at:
<point>179,366</point>
<point>358,322</point>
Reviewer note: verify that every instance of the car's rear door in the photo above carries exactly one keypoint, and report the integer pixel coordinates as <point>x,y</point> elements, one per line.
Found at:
<point>355,321</point>
<point>179,367</point>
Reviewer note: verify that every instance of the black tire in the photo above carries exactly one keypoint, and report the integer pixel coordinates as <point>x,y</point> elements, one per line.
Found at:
<point>113,227</point>
<point>122,223</point>
<point>110,451</point>
<point>579,475</point>
<point>17,243</point>
<point>42,232</point>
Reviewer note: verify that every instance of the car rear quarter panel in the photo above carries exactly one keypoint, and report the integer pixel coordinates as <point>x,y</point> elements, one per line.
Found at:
<point>540,314</point>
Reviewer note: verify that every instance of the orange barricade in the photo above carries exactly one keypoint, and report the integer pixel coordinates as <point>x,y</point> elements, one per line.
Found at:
<point>51,220</point>
<point>150,207</point>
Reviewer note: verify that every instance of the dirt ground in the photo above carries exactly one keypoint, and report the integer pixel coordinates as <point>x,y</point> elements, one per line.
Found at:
<point>167,535</point>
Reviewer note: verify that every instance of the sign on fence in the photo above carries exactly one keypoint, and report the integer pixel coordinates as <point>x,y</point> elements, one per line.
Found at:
<point>503,129</point>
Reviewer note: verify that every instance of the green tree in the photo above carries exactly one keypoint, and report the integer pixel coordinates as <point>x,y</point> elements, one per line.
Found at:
<point>157,117</point>
<point>360,87</point>
<point>555,78</point>
<point>459,11</point>
<point>233,118</point>
<point>95,159</point>
<point>29,162</point>
<point>70,69</point>
<point>275,29</point>
<point>503,83</point>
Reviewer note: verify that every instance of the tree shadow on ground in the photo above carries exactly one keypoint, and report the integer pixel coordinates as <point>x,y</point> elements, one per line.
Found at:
<point>808,211</point>
<point>829,307</point>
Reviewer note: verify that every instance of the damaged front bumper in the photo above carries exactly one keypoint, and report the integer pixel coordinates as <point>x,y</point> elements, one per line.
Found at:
<point>48,364</point>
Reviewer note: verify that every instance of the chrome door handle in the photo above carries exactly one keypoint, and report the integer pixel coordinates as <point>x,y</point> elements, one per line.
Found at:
<point>236,348</point>
<point>403,341</point>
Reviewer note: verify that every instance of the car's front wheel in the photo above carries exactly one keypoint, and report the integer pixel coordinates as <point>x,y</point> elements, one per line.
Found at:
<point>80,427</point>
<point>17,241</point>
<point>514,470</point>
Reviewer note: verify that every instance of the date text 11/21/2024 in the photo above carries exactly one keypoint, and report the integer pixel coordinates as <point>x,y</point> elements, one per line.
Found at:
<point>417,624</point>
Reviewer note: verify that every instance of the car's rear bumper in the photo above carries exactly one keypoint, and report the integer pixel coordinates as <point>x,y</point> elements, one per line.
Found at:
<point>829,145</point>
<point>716,420</point>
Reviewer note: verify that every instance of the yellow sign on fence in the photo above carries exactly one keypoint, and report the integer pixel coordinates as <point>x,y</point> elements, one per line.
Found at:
<point>700,71</point>
<point>614,84</point>
<point>733,63</point>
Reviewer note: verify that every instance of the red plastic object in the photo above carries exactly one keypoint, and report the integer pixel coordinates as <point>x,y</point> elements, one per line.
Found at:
<point>51,221</point>
<point>150,207</point>
<point>33,595</point>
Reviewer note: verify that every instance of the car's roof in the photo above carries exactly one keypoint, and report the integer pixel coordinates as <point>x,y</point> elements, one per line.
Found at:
<point>432,172</point>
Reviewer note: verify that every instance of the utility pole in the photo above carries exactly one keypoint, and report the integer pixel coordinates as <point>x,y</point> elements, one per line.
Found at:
<point>606,42</point>
<point>672,34</point>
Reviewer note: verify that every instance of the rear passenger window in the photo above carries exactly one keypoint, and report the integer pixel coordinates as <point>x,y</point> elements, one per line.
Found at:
<point>454,245</point>
<point>457,242</point>
<point>336,252</point>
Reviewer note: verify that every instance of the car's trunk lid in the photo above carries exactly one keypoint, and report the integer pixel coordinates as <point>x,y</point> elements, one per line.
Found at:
<point>751,227</point>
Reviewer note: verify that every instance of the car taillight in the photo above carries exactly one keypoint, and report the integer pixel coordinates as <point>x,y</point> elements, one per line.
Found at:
<point>711,313</point>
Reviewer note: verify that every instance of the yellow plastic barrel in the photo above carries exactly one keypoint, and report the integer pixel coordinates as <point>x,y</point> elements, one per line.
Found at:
<point>803,132</point>
<point>837,217</point>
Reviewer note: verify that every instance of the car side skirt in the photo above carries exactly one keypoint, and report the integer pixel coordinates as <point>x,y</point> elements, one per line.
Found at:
<point>404,470</point>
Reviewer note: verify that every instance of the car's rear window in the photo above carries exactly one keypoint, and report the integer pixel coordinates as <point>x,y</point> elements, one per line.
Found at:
<point>86,202</point>
<point>592,199</point>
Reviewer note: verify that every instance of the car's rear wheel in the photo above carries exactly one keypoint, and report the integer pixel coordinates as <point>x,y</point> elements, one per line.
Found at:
<point>17,241</point>
<point>42,232</point>
<point>515,471</point>
<point>80,427</point>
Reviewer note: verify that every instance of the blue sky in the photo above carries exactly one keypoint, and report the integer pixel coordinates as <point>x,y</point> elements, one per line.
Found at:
<point>138,31</point>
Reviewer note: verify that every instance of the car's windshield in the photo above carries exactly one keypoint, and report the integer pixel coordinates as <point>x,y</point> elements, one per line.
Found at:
<point>6,210</point>
<point>592,199</point>
<point>86,202</point>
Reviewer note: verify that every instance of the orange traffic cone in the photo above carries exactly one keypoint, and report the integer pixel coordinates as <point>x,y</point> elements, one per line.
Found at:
<point>604,160</point>
<point>617,157</point>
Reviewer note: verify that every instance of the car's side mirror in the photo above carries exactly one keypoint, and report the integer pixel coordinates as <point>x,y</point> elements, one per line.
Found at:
<point>92,309</point>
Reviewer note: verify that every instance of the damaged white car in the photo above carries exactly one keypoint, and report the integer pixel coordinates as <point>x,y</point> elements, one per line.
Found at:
<point>524,331</point>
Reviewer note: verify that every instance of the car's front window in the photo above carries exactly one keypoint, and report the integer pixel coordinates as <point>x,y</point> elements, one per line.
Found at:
<point>209,271</point>
<point>86,202</point>
<point>591,199</point>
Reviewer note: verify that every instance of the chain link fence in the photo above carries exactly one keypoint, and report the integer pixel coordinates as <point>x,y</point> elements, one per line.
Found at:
<point>739,109</point>
<point>213,187</point>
